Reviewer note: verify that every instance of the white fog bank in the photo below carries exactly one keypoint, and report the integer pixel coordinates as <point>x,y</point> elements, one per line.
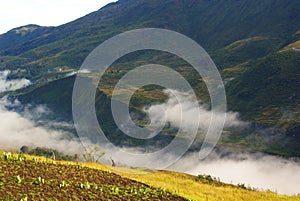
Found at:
<point>17,130</point>
<point>263,172</point>
<point>8,84</point>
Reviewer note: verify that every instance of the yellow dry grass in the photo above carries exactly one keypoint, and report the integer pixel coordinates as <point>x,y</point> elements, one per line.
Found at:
<point>183,184</point>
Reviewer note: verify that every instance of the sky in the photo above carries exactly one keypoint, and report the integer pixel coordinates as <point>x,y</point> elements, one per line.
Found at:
<point>16,13</point>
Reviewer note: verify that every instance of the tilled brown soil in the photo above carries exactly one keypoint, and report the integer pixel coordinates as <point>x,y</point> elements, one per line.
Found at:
<point>34,180</point>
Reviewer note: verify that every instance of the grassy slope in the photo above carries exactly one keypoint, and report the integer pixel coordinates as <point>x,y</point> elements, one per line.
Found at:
<point>268,89</point>
<point>178,183</point>
<point>39,179</point>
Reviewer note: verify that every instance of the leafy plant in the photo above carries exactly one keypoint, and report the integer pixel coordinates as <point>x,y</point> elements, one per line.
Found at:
<point>18,179</point>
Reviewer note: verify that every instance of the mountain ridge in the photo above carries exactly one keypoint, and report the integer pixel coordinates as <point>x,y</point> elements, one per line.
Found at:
<point>250,42</point>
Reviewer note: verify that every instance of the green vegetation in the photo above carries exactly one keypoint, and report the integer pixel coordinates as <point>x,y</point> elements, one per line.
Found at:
<point>197,188</point>
<point>57,95</point>
<point>245,50</point>
<point>267,90</point>
<point>36,178</point>
<point>26,177</point>
<point>213,24</point>
<point>239,35</point>
<point>250,41</point>
<point>49,153</point>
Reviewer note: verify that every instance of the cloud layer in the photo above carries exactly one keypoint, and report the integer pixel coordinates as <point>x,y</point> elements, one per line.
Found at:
<point>16,131</point>
<point>257,170</point>
<point>180,111</point>
<point>9,85</point>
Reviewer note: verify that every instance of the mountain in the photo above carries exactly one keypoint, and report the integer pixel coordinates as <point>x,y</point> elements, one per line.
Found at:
<point>214,24</point>
<point>270,88</point>
<point>253,43</point>
<point>20,36</point>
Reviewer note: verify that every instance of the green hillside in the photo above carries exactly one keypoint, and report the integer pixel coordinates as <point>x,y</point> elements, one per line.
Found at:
<point>268,89</point>
<point>213,24</point>
<point>251,43</point>
<point>21,35</point>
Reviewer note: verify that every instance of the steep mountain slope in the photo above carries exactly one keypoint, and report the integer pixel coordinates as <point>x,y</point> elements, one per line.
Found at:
<point>252,43</point>
<point>269,90</point>
<point>57,96</point>
<point>214,24</point>
<point>20,36</point>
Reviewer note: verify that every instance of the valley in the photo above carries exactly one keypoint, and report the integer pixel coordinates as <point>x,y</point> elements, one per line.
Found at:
<point>253,44</point>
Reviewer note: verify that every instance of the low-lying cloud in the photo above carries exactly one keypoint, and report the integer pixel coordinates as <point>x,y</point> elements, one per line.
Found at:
<point>17,130</point>
<point>256,170</point>
<point>259,171</point>
<point>9,85</point>
<point>180,111</point>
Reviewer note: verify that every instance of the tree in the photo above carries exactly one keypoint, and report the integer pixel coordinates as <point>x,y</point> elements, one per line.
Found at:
<point>24,149</point>
<point>93,153</point>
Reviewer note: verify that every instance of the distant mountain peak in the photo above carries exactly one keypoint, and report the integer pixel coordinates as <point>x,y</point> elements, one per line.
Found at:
<point>25,29</point>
